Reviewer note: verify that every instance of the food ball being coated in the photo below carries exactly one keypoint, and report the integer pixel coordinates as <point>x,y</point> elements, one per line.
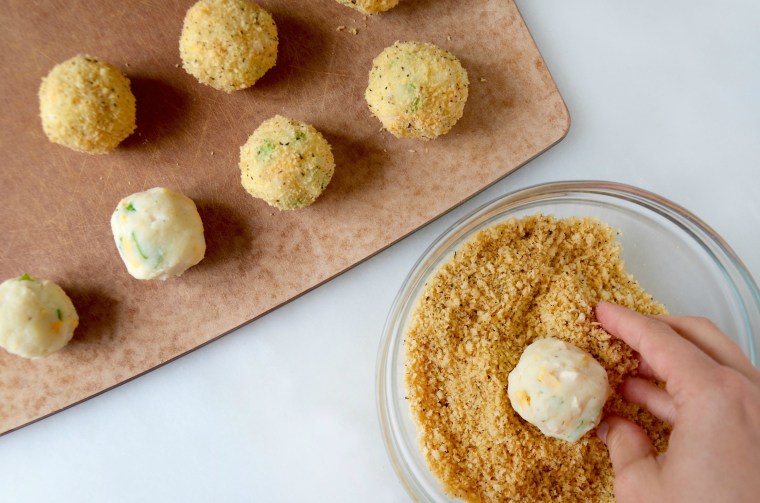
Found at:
<point>86,105</point>
<point>370,6</point>
<point>417,90</point>
<point>558,388</point>
<point>228,44</point>
<point>37,318</point>
<point>159,233</point>
<point>287,163</point>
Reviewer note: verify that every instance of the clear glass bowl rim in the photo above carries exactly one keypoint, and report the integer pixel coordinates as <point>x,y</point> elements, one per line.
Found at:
<point>687,221</point>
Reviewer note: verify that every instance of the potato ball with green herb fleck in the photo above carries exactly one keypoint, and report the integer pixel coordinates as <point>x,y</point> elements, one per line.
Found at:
<point>370,6</point>
<point>417,90</point>
<point>86,105</point>
<point>286,163</point>
<point>159,233</point>
<point>37,318</point>
<point>228,44</point>
<point>559,388</point>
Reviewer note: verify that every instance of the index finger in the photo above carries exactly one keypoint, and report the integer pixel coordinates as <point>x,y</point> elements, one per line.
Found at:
<point>673,359</point>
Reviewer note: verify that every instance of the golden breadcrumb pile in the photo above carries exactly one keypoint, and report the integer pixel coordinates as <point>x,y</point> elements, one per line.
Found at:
<point>370,6</point>
<point>417,90</point>
<point>511,284</point>
<point>287,163</point>
<point>228,44</point>
<point>87,105</point>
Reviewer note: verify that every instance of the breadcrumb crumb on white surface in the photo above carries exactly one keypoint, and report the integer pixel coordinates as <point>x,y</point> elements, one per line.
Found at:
<point>417,90</point>
<point>287,163</point>
<point>87,105</point>
<point>37,318</point>
<point>370,6</point>
<point>228,44</point>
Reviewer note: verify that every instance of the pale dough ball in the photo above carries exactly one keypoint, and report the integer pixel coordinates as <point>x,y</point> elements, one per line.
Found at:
<point>228,44</point>
<point>86,105</point>
<point>417,90</point>
<point>558,388</point>
<point>370,6</point>
<point>159,233</point>
<point>287,163</point>
<point>37,318</point>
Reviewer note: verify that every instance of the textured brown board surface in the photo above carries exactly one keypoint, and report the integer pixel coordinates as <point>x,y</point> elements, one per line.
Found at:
<point>56,203</point>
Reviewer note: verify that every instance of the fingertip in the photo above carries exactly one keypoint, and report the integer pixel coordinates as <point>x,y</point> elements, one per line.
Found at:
<point>607,313</point>
<point>602,430</point>
<point>626,442</point>
<point>602,307</point>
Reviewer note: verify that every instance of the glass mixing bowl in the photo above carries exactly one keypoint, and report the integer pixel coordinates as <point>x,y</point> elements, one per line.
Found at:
<point>673,254</point>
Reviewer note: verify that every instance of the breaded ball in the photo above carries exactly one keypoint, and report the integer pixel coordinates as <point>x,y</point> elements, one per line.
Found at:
<point>228,44</point>
<point>286,163</point>
<point>86,105</point>
<point>159,233</point>
<point>37,318</point>
<point>559,388</point>
<point>417,90</point>
<point>370,6</point>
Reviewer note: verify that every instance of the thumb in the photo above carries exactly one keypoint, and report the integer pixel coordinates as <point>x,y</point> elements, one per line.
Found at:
<point>630,450</point>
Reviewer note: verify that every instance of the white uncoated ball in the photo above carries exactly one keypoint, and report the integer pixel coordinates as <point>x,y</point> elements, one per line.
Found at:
<point>37,318</point>
<point>558,388</point>
<point>159,233</point>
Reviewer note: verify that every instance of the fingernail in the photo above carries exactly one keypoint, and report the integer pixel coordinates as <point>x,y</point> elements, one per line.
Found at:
<point>601,431</point>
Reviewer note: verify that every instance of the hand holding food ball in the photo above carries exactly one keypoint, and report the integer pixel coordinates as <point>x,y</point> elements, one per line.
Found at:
<point>712,399</point>
<point>558,388</point>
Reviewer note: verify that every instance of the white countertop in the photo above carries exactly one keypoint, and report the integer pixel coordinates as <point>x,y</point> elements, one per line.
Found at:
<point>662,95</point>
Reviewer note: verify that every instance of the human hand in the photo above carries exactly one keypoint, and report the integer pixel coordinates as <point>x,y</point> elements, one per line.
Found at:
<point>712,400</point>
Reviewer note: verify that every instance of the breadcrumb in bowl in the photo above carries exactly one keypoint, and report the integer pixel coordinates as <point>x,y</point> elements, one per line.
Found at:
<point>674,256</point>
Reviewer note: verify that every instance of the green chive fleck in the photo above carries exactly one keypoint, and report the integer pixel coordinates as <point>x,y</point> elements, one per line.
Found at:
<point>300,135</point>
<point>142,254</point>
<point>130,207</point>
<point>265,149</point>
<point>60,315</point>
<point>416,104</point>
<point>25,277</point>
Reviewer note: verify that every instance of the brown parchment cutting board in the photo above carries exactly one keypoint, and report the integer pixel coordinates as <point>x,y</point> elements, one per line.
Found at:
<point>55,203</point>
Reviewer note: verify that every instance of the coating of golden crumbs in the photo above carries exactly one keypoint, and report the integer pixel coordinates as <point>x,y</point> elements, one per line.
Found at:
<point>228,44</point>
<point>417,90</point>
<point>87,105</point>
<point>287,163</point>
<point>512,283</point>
<point>370,6</point>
